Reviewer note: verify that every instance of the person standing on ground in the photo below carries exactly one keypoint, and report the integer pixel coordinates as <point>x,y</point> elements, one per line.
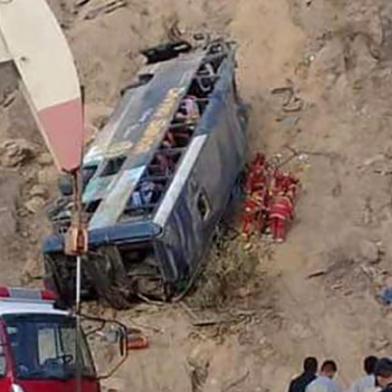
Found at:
<point>324,382</point>
<point>300,383</point>
<point>367,383</point>
<point>383,374</point>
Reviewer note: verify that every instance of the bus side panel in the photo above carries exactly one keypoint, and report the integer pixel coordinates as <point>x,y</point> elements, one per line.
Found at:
<point>223,157</point>
<point>181,242</point>
<point>189,227</point>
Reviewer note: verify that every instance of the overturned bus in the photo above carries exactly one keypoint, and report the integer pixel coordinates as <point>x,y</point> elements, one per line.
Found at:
<point>157,179</point>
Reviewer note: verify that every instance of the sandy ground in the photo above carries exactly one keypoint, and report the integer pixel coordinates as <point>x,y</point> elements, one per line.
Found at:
<point>337,55</point>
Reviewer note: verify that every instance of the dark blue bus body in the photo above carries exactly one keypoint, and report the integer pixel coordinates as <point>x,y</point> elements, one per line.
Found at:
<point>157,180</point>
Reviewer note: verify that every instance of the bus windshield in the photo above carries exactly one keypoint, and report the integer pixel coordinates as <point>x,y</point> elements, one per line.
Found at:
<point>43,347</point>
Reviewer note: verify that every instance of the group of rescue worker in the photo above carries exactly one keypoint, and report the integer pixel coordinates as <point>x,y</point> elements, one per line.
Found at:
<point>270,200</point>
<point>377,378</point>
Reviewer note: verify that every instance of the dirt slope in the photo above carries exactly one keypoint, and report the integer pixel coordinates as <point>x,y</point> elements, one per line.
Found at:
<point>337,55</point>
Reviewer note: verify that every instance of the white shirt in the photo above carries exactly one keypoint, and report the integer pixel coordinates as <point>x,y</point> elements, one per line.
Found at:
<point>323,384</point>
<point>364,384</point>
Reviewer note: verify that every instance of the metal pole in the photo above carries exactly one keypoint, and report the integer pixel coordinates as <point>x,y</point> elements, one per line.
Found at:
<point>78,221</point>
<point>78,282</point>
<point>78,356</point>
<point>78,359</point>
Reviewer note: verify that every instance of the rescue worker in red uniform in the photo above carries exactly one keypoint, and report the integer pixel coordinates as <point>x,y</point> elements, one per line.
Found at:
<point>281,213</point>
<point>254,217</point>
<point>281,208</point>
<point>255,204</point>
<point>257,177</point>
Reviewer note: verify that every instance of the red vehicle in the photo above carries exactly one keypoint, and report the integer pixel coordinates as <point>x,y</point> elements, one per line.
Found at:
<point>38,346</point>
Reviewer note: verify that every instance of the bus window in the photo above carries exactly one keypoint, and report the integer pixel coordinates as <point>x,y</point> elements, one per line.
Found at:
<point>203,206</point>
<point>113,166</point>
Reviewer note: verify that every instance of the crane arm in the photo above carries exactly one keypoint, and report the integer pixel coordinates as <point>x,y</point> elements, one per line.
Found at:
<point>32,39</point>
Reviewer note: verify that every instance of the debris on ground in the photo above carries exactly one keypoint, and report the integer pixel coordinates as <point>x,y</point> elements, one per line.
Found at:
<point>291,102</point>
<point>317,274</point>
<point>35,204</point>
<point>81,3</point>
<point>386,296</point>
<point>39,191</point>
<point>107,8</point>
<point>227,317</point>
<point>45,159</point>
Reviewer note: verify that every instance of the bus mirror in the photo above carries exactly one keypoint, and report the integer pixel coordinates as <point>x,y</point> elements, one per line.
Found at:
<point>116,336</point>
<point>123,343</point>
<point>116,341</point>
<point>112,341</point>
